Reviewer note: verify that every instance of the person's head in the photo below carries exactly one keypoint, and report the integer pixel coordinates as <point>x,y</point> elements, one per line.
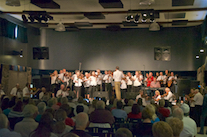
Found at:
<point>18,107</point>
<point>50,110</point>
<point>130,103</point>
<point>157,73</point>
<point>162,129</point>
<point>106,72</point>
<point>43,89</point>
<point>196,91</point>
<point>157,92</point>
<point>148,112</point>
<point>147,75</point>
<point>67,108</point>
<point>51,102</point>
<point>86,74</point>
<point>172,74</point>
<point>79,108</point>
<point>126,101</point>
<point>119,104</point>
<point>135,109</point>
<point>27,85</point>
<point>64,100</point>
<point>17,85</point>
<point>154,79</point>
<point>55,72</point>
<point>129,74</point>
<point>30,111</point>
<point>176,125</point>
<point>161,73</point>
<point>161,102</point>
<point>152,110</point>
<point>80,99</point>
<point>167,90</point>
<point>98,71</point>
<point>62,86</point>
<point>117,67</point>
<point>166,71</point>
<point>3,121</point>
<point>93,73</point>
<point>178,113</point>
<point>150,74</point>
<point>139,101</point>
<point>5,103</point>
<point>123,132</point>
<point>100,105</point>
<point>61,71</point>
<point>81,121</point>
<point>60,115</point>
<point>141,92</point>
<point>41,107</point>
<point>137,73</point>
<point>185,108</point>
<point>64,70</point>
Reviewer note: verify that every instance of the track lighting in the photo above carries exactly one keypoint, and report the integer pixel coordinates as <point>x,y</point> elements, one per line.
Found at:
<point>136,18</point>
<point>128,18</point>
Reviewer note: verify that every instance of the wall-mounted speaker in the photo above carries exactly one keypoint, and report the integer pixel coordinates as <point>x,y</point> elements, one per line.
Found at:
<point>40,53</point>
<point>162,53</point>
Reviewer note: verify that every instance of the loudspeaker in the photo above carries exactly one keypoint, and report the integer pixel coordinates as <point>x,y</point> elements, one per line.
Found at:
<point>166,54</point>
<point>184,86</point>
<point>40,53</point>
<point>194,84</point>
<point>158,53</point>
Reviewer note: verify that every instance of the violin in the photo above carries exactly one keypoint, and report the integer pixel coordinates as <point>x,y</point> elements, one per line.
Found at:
<point>164,95</point>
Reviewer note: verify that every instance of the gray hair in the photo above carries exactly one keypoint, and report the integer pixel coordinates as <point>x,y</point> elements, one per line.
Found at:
<point>81,120</point>
<point>100,105</point>
<point>64,100</point>
<point>41,107</point>
<point>3,121</point>
<point>29,110</point>
<point>178,113</point>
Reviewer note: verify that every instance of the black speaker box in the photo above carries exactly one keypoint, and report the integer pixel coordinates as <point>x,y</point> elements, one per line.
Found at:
<point>40,53</point>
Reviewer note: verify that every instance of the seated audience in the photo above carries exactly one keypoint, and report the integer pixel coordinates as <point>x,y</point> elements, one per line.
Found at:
<point>118,112</point>
<point>128,107</point>
<point>45,127</point>
<point>135,112</point>
<point>162,129</point>
<point>28,124</point>
<point>68,121</point>
<point>80,125</point>
<point>101,115</point>
<point>4,131</point>
<point>190,127</point>
<point>5,103</point>
<point>41,109</point>
<point>11,105</point>
<point>123,132</point>
<point>60,128</point>
<point>145,128</point>
<point>140,103</point>
<point>164,111</point>
<point>64,100</point>
<point>52,103</point>
<point>154,116</point>
<point>110,106</point>
<point>93,106</point>
<point>176,125</point>
<point>80,102</point>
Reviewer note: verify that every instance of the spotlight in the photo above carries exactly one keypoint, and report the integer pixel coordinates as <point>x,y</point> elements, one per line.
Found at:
<point>201,50</point>
<point>136,18</point>
<point>197,57</point>
<point>128,18</point>
<point>50,17</point>
<point>24,18</point>
<point>31,18</point>
<point>144,19</point>
<point>21,54</point>
<point>144,14</point>
<point>44,18</point>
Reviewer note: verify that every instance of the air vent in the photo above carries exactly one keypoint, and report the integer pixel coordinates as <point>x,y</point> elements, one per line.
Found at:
<point>111,3</point>
<point>94,15</point>
<point>49,4</point>
<point>182,2</point>
<point>174,15</point>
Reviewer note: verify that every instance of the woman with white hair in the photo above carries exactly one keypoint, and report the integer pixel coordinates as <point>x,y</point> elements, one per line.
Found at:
<point>157,96</point>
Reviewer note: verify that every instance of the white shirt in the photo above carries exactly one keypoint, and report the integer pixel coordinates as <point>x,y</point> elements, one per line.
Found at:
<point>198,98</point>
<point>169,96</point>
<point>123,84</point>
<point>1,92</point>
<point>63,93</point>
<point>77,81</point>
<point>189,127</point>
<point>143,100</point>
<point>93,81</point>
<point>15,93</point>
<point>41,95</point>
<point>137,82</point>
<point>161,78</point>
<point>26,126</point>
<point>129,81</point>
<point>61,76</point>
<point>107,78</point>
<point>25,91</point>
<point>87,82</point>
<point>99,79</point>
<point>173,77</point>
<point>53,78</point>
<point>117,76</point>
<point>157,98</point>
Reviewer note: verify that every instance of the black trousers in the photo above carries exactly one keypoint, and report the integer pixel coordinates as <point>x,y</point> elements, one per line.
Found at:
<point>129,88</point>
<point>137,88</point>
<point>198,111</point>
<point>123,93</point>
<point>54,88</point>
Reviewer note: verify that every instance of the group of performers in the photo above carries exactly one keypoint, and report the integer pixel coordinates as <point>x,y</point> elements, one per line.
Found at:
<point>86,84</point>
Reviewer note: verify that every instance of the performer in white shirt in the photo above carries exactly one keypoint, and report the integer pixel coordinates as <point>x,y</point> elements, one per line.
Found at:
<point>108,78</point>
<point>123,88</point>
<point>1,91</point>
<point>99,80</point>
<point>168,95</point>
<point>16,91</point>
<point>129,82</point>
<point>77,84</point>
<point>65,77</point>
<point>62,92</point>
<point>137,81</point>
<point>93,83</point>
<point>172,82</point>
<point>117,76</point>
<point>157,96</point>
<point>87,85</point>
<point>105,76</point>
<point>162,79</point>
<point>143,97</point>
<point>54,82</point>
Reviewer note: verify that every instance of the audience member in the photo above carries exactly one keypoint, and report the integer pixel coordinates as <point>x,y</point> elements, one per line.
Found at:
<point>162,129</point>
<point>154,116</point>
<point>81,124</point>
<point>118,112</point>
<point>176,125</point>
<point>4,131</point>
<point>41,109</point>
<point>45,127</point>
<point>68,120</point>
<point>190,127</point>
<point>4,103</point>
<point>128,107</point>
<point>101,115</point>
<point>80,102</point>
<point>164,111</point>
<point>11,105</point>
<point>140,103</point>
<point>93,106</point>
<point>123,132</point>
<point>135,112</point>
<point>1,91</point>
<point>28,124</point>
<point>52,103</point>
<point>60,127</point>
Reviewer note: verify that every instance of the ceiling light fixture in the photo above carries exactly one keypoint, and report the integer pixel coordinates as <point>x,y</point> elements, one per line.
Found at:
<point>136,18</point>
<point>60,27</point>
<point>201,50</point>
<point>128,18</point>
<point>13,2</point>
<point>21,53</point>
<point>197,56</point>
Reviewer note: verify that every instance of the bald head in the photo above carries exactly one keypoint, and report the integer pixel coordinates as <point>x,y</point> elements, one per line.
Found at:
<point>81,121</point>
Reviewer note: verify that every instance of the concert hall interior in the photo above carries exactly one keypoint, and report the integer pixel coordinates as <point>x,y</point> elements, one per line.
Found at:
<point>32,48</point>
